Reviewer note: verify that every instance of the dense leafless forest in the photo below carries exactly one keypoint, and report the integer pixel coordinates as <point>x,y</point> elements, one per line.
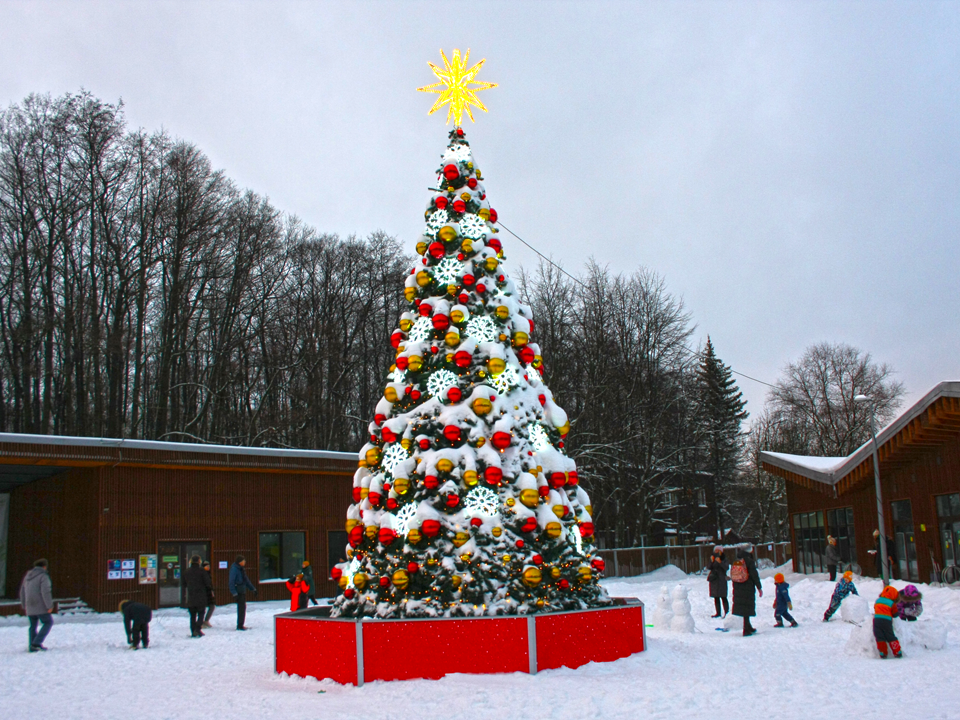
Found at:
<point>144,295</point>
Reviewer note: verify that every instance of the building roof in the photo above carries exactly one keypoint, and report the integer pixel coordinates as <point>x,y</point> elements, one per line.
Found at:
<point>930,422</point>
<point>24,458</point>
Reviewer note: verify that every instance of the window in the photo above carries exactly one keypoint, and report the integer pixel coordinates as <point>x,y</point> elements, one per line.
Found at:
<point>281,554</point>
<point>840,525</point>
<point>810,538</point>
<point>948,518</point>
<point>336,548</point>
<point>906,549</point>
<point>670,498</point>
<point>702,497</point>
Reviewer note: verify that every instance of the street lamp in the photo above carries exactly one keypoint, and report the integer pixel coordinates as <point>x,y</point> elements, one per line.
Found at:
<point>884,562</point>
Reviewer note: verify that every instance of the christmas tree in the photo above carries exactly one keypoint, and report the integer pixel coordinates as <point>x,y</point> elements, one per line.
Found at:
<point>465,502</point>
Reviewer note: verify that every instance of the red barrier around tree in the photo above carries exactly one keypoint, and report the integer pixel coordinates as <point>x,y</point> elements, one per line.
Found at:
<point>311,644</point>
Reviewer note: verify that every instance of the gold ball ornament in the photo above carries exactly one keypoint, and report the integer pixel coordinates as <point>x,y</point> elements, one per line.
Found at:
<point>460,539</point>
<point>372,456</point>
<point>401,485</point>
<point>532,577</point>
<point>589,509</point>
<point>491,264</point>
<point>496,365</point>
<point>351,524</point>
<point>421,248</point>
<point>423,278</point>
<point>465,557</point>
<point>449,357</point>
<point>564,429</point>
<point>467,245</point>
<point>520,338</point>
<point>553,529</point>
<point>447,233</point>
<point>502,312</point>
<point>451,289</point>
<point>506,559</point>
<point>540,603</point>
<point>343,582</point>
<point>406,324</point>
<point>558,511</point>
<point>452,338</point>
<point>360,581</point>
<point>502,337</point>
<point>484,213</point>
<point>400,579</point>
<point>410,293</point>
<point>554,572</point>
<point>530,498</point>
<point>465,196</point>
<point>444,465</point>
<point>457,316</point>
<point>497,531</point>
<point>414,363</point>
<point>510,502</point>
<point>371,531</point>
<point>481,441</point>
<point>585,574</point>
<point>482,406</point>
<point>470,477</point>
<point>431,562</point>
<point>413,536</point>
<point>455,581</point>
<point>406,443</point>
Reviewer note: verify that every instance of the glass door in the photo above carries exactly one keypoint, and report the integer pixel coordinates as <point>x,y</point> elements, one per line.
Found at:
<point>903,539</point>
<point>948,518</point>
<point>173,557</point>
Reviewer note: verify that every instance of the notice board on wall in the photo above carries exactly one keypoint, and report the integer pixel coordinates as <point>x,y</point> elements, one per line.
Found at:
<point>147,570</point>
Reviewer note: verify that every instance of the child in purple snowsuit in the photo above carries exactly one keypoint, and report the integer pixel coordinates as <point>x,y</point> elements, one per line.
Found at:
<point>844,587</point>
<point>910,607</point>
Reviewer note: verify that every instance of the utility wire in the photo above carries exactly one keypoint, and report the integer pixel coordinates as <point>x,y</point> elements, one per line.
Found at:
<point>581,284</point>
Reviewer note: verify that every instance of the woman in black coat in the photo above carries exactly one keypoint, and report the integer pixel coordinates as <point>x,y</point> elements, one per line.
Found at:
<point>745,592</point>
<point>717,578</point>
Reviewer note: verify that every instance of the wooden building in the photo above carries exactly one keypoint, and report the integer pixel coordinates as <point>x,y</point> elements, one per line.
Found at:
<point>919,461</point>
<point>120,518</point>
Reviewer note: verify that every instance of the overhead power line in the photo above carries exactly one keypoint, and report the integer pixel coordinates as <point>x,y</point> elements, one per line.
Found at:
<point>581,284</point>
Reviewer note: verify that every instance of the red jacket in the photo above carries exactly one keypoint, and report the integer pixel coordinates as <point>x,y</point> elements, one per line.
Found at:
<point>295,589</point>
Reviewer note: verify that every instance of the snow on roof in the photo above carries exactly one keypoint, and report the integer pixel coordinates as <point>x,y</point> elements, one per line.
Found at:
<point>26,439</point>
<point>831,470</point>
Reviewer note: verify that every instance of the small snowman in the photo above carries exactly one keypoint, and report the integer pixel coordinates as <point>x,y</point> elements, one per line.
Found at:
<point>662,613</point>
<point>682,621</point>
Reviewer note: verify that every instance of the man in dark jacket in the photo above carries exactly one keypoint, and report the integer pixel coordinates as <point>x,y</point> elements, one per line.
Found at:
<point>745,590</point>
<point>239,584</point>
<point>197,583</point>
<point>136,622</point>
<point>211,601</point>
<point>308,580</point>
<point>717,579</point>
<point>36,597</point>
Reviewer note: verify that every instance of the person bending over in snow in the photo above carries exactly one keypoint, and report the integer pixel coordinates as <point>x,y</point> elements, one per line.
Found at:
<point>297,588</point>
<point>782,604</point>
<point>136,621</point>
<point>910,607</point>
<point>884,611</point>
<point>844,587</point>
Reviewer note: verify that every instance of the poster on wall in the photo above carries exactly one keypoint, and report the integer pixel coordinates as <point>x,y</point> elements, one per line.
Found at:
<point>113,570</point>
<point>128,574</point>
<point>148,570</point>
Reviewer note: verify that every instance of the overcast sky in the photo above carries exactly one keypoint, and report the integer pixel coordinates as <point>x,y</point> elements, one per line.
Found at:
<point>791,169</point>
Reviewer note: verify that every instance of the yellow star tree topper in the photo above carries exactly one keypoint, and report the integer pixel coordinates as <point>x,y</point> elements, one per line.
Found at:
<point>454,86</point>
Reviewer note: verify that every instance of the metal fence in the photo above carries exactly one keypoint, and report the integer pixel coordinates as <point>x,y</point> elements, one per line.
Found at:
<point>624,562</point>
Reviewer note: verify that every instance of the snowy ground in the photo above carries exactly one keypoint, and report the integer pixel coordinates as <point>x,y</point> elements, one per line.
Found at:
<point>804,673</point>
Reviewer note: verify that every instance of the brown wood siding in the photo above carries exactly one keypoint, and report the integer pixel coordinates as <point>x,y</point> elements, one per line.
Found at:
<point>934,470</point>
<point>55,518</point>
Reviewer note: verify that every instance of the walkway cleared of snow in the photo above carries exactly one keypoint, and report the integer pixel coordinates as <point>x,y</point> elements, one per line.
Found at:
<point>803,674</point>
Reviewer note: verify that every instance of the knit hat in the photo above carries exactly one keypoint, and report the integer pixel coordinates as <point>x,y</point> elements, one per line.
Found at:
<point>911,592</point>
<point>717,549</point>
<point>848,575</point>
<point>778,578</point>
<point>890,593</point>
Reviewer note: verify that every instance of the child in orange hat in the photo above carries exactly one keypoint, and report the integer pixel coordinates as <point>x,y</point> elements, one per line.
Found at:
<point>883,611</point>
<point>844,587</point>
<point>782,604</point>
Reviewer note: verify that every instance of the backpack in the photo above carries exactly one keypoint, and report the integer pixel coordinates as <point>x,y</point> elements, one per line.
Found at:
<point>739,572</point>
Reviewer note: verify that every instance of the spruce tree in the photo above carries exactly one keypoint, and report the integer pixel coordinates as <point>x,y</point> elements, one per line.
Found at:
<point>721,416</point>
<point>465,502</point>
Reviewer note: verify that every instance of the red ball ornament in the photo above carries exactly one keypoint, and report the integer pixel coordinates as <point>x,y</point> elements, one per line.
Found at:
<point>415,394</point>
<point>543,490</point>
<point>481,288</point>
<point>564,584</point>
<point>401,362</point>
<point>453,500</point>
<point>451,172</point>
<point>573,478</point>
<point>558,480</point>
<point>531,326</point>
<point>412,567</point>
<point>356,536</point>
<point>454,394</point>
<point>379,418</point>
<point>476,522</point>
<point>526,355</point>
<point>391,503</point>
<point>462,358</point>
<point>425,309</point>
<point>441,322</point>
<point>499,278</point>
<point>459,206</point>
<point>434,349</point>
<point>500,440</point>
<point>452,433</point>
<point>397,338</point>
<point>542,399</point>
<point>374,439</point>
<point>388,435</point>
<point>586,529</point>
<point>424,443</point>
<point>460,132</point>
<point>436,250</point>
<point>441,202</point>
<point>529,525</point>
<point>460,256</point>
<point>560,444</point>
<point>357,494</point>
<point>493,215</point>
<point>519,544</point>
<point>349,593</point>
<point>373,498</point>
<point>384,582</point>
<point>598,564</point>
<point>494,243</point>
<point>468,280</point>
<point>537,560</point>
<point>336,573</point>
<point>430,482</point>
<point>463,298</point>
<point>472,183</point>
<point>430,528</point>
<point>493,475</point>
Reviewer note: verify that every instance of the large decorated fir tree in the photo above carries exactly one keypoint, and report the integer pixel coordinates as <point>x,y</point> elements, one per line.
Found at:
<point>465,502</point>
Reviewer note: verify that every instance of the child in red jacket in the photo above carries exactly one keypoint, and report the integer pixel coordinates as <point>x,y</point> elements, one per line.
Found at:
<point>296,587</point>
<point>883,612</point>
